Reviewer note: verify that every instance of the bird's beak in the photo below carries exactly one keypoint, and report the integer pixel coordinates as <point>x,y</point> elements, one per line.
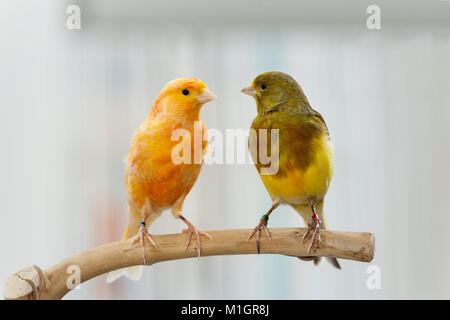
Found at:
<point>249,90</point>
<point>206,96</point>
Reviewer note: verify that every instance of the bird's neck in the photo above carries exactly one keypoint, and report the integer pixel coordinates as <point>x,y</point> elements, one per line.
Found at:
<point>298,104</point>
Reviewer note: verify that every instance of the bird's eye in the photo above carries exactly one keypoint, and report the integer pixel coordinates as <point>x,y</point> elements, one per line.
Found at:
<point>263,86</point>
<point>185,92</point>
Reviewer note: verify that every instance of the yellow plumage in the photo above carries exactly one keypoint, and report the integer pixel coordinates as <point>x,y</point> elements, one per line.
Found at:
<point>305,153</point>
<point>298,184</point>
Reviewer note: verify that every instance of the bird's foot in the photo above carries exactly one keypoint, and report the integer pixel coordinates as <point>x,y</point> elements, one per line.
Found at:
<point>141,236</point>
<point>314,231</point>
<point>192,230</point>
<point>262,225</point>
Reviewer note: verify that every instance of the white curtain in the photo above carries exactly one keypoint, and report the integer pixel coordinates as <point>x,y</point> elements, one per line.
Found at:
<point>71,100</point>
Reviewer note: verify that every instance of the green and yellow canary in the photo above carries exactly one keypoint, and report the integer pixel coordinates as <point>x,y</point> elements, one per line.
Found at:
<point>305,160</point>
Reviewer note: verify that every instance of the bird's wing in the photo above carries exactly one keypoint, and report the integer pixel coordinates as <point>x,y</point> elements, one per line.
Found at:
<point>319,117</point>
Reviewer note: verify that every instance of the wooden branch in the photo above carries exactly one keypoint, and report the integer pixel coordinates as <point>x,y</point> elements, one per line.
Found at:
<point>32,283</point>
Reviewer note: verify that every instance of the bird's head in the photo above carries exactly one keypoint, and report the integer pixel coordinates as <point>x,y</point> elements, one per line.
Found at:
<point>276,91</point>
<point>183,97</point>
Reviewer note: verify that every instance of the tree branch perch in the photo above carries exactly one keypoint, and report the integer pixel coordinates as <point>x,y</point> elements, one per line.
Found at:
<point>35,284</point>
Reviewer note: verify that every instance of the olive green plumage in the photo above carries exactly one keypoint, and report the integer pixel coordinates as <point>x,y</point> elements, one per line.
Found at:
<point>280,92</point>
<point>305,151</point>
<point>281,104</point>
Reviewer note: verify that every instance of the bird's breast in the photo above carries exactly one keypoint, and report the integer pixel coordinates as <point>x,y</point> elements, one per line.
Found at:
<point>154,170</point>
<point>295,182</point>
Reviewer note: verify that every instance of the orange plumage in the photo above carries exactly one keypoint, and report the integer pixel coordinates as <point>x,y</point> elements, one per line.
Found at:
<point>154,182</point>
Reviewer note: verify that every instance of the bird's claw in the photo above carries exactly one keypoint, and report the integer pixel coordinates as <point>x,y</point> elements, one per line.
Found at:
<point>261,225</point>
<point>140,237</point>
<point>190,230</point>
<point>314,231</point>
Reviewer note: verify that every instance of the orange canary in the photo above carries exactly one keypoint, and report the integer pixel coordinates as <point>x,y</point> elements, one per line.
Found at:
<point>155,182</point>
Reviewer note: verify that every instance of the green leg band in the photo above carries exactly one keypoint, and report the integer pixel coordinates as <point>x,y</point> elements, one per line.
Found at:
<point>265,217</point>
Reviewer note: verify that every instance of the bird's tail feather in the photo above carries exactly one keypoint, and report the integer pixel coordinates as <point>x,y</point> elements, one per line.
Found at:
<point>306,213</point>
<point>133,273</point>
<point>334,262</point>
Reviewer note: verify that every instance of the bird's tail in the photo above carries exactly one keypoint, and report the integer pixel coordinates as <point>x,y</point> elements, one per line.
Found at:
<point>306,213</point>
<point>135,272</point>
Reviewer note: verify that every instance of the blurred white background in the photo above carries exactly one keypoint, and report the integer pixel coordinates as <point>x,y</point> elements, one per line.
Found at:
<point>70,101</point>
